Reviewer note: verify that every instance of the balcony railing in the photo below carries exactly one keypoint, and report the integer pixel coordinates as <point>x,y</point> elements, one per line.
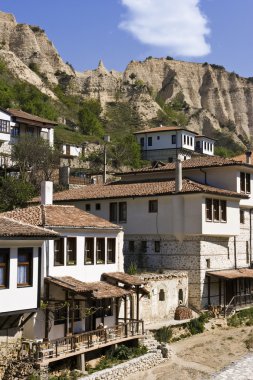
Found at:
<point>79,343</point>
<point>239,301</point>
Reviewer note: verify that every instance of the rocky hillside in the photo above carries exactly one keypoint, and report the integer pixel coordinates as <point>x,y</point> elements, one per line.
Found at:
<point>213,101</point>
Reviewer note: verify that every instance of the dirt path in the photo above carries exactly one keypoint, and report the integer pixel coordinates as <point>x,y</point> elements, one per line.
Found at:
<point>200,356</point>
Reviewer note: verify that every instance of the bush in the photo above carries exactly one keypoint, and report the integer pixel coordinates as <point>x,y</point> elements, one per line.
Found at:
<point>234,321</point>
<point>196,326</point>
<point>164,334</point>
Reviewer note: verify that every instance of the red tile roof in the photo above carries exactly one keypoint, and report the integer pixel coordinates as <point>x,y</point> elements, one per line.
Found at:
<point>59,216</point>
<point>10,228</point>
<point>98,289</point>
<point>198,161</point>
<point>138,189</point>
<point>164,129</point>
<point>27,116</point>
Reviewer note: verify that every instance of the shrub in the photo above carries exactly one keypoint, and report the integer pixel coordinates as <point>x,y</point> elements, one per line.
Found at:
<point>132,269</point>
<point>234,321</point>
<point>169,58</point>
<point>164,334</point>
<point>196,326</point>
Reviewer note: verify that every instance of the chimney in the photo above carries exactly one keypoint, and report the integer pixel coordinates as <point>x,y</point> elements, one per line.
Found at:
<point>178,179</point>
<point>46,193</point>
<point>248,157</point>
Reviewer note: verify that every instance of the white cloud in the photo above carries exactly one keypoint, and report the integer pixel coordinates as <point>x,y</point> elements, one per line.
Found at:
<point>176,26</point>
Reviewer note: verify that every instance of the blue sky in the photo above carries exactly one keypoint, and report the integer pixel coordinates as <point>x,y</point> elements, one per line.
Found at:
<point>118,31</point>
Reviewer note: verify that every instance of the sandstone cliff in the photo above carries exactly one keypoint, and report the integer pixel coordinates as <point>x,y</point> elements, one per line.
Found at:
<point>217,100</point>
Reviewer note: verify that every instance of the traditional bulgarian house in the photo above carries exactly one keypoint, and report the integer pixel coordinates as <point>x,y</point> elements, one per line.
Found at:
<point>20,273</point>
<point>200,223</point>
<point>168,143</point>
<point>15,123</point>
<point>81,311</point>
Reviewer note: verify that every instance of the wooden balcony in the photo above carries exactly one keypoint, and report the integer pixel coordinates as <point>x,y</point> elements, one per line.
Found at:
<point>57,349</point>
<point>240,301</point>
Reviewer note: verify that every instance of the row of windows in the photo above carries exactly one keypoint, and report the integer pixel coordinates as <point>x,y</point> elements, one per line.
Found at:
<point>4,126</point>
<point>216,210</point>
<point>132,247</point>
<point>24,268</point>
<point>188,140</point>
<point>94,251</point>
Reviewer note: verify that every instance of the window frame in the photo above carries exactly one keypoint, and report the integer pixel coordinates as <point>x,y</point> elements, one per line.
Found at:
<point>100,251</point>
<point>216,214</point>
<point>157,246</point>
<point>69,251</point>
<point>150,141</point>
<point>111,251</point>
<point>91,250</point>
<point>5,126</point>
<point>113,212</point>
<point>122,212</point>
<point>98,206</point>
<point>5,253</point>
<point>87,207</point>
<point>28,251</point>
<point>242,217</point>
<point>245,183</point>
<point>173,139</point>
<point>153,206</point>
<point>60,252</point>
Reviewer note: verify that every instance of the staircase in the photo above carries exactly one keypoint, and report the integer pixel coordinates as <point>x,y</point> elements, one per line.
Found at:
<point>150,342</point>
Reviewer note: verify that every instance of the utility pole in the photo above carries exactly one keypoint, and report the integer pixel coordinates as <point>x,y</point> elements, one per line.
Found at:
<point>106,140</point>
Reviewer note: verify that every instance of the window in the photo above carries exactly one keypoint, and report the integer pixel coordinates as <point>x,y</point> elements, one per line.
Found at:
<point>60,314</point>
<point>98,206</point>
<point>208,264</point>
<point>158,137</point>
<point>197,145</point>
<point>245,182</point>
<point>25,256</point>
<point>188,140</point>
<point>59,252</point>
<point>180,296</point>
<point>153,206</point>
<point>131,245</point>
<point>144,246</point>
<point>142,141</point>
<point>113,212</point>
<point>122,212</point>
<point>150,143</point>
<point>209,213</point>
<point>89,251</point>
<point>104,308</point>
<point>157,246</point>
<point>15,131</point>
<point>87,207</point>
<point>161,295</point>
<point>223,211</point>
<point>100,251</point>
<point>216,213</point>
<point>170,159</point>
<point>71,251</point>
<point>242,217</point>
<point>4,126</point>
<point>173,139</point>
<point>184,139</point>
<point>247,252</point>
<point>111,244</point>
<point>4,267</point>
<point>216,210</point>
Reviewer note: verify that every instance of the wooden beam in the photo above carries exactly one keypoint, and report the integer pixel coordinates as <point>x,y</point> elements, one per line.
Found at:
<point>138,304</point>
<point>209,290</point>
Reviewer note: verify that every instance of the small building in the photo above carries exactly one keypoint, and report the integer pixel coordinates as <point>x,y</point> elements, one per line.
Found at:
<point>168,143</point>
<point>15,123</point>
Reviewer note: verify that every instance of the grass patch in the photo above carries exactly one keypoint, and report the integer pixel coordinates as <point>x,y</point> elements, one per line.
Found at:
<point>241,318</point>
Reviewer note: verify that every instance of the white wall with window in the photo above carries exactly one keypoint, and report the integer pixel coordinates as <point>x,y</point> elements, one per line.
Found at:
<point>85,255</point>
<point>19,261</point>
<point>166,140</point>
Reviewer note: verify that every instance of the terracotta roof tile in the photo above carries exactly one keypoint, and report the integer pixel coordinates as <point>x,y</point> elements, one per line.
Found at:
<point>125,278</point>
<point>27,116</point>
<point>13,228</point>
<point>98,289</point>
<point>198,161</point>
<point>164,129</point>
<point>232,273</point>
<point>138,189</point>
<point>59,216</point>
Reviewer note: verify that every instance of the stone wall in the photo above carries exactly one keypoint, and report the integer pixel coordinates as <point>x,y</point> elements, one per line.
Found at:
<point>121,371</point>
<point>195,254</point>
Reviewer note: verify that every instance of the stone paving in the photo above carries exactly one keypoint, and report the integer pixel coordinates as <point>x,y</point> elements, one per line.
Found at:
<point>241,370</point>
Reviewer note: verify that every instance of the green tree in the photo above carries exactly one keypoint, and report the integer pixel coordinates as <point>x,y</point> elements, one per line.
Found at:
<point>89,118</point>
<point>125,151</point>
<point>35,159</point>
<point>14,193</point>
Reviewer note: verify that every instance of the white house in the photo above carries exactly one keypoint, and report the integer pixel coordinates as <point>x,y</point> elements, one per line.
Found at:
<point>168,143</point>
<point>76,298</point>
<point>201,224</point>
<point>20,268</point>
<point>15,123</point>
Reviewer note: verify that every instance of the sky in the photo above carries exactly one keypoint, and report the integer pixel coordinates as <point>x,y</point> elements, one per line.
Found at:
<point>118,31</point>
